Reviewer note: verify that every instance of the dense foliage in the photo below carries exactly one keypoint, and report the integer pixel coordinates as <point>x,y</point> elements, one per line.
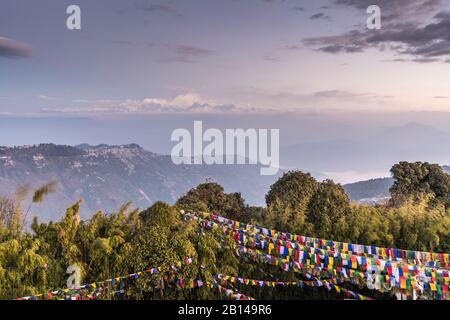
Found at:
<point>34,258</point>
<point>414,180</point>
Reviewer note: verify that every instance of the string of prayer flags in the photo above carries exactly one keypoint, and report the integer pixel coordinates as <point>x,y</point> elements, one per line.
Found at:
<point>382,284</point>
<point>79,290</point>
<point>329,284</point>
<point>418,257</point>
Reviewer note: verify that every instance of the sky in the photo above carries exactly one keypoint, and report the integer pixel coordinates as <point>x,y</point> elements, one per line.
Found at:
<point>248,60</point>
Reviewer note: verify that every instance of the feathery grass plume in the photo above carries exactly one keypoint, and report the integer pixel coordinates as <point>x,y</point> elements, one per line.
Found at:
<point>22,192</point>
<point>6,208</point>
<point>15,220</point>
<point>39,194</point>
<point>125,207</point>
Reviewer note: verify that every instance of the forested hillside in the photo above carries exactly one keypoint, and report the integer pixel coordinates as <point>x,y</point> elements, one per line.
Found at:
<point>177,252</point>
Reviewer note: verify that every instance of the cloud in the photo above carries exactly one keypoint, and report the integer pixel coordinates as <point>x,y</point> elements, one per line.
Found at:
<point>319,16</point>
<point>349,96</point>
<point>158,7</point>
<point>191,54</point>
<point>184,103</point>
<point>48,98</point>
<point>338,94</point>
<point>418,60</point>
<point>13,49</point>
<point>205,107</point>
<point>292,47</point>
<point>177,88</point>
<point>271,58</point>
<point>293,100</point>
<point>403,31</point>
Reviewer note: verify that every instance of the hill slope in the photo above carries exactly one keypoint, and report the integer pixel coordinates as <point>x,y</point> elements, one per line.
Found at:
<point>369,191</point>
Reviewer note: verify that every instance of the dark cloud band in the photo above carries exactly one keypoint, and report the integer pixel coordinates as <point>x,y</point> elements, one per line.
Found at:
<point>13,49</point>
<point>404,31</point>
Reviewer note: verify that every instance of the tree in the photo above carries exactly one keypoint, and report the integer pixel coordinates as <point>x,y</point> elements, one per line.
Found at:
<point>23,269</point>
<point>413,180</point>
<point>294,189</point>
<point>367,225</point>
<point>254,215</point>
<point>419,226</point>
<point>288,199</point>
<point>210,196</point>
<point>327,207</point>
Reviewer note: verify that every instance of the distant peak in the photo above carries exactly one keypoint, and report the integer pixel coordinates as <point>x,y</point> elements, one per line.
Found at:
<point>131,146</point>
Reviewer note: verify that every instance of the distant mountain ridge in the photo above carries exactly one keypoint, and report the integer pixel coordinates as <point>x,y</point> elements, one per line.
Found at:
<point>373,190</point>
<point>369,191</point>
<point>446,169</point>
<point>108,176</point>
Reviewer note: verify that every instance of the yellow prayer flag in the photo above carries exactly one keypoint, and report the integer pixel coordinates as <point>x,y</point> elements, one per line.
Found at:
<point>402,284</point>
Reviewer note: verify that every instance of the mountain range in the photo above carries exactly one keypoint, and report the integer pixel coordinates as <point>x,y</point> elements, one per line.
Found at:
<point>106,177</point>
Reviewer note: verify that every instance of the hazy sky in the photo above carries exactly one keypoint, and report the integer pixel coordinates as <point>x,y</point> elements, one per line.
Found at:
<point>215,56</point>
<point>310,68</point>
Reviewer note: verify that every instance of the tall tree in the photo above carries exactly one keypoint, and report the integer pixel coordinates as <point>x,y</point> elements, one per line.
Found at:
<point>413,180</point>
<point>288,199</point>
<point>210,196</point>
<point>328,206</point>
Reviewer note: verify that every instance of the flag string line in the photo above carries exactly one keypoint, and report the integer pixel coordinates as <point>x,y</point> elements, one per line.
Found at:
<point>95,294</point>
<point>300,253</point>
<point>93,285</point>
<point>434,259</point>
<point>299,283</point>
<point>329,284</point>
<point>286,265</point>
<point>289,246</point>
